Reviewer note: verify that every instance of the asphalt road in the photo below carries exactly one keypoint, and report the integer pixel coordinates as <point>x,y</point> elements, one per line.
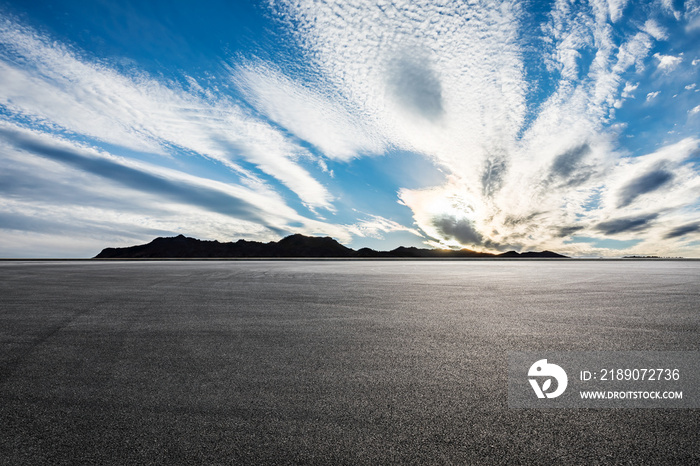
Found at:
<point>327,362</point>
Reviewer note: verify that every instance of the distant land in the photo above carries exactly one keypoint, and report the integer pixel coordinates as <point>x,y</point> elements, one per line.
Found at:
<point>294,246</point>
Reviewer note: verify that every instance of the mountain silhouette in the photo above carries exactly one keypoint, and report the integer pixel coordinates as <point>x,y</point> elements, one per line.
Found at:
<point>182,247</point>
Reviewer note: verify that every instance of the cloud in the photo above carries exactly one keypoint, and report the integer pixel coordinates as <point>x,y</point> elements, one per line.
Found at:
<point>692,15</point>
<point>374,226</point>
<point>34,224</point>
<point>462,230</point>
<point>55,181</point>
<point>628,89</point>
<point>416,86</point>
<point>669,169</point>
<point>549,163</point>
<point>653,28</point>
<point>494,174</point>
<point>176,186</point>
<point>667,62</point>
<point>417,72</point>
<point>683,230</point>
<point>616,8</point>
<point>624,225</point>
<point>136,179</point>
<point>521,114</point>
<point>322,120</point>
<point>45,81</point>
<point>568,166</point>
<point>564,232</point>
<point>644,184</point>
<point>668,6</point>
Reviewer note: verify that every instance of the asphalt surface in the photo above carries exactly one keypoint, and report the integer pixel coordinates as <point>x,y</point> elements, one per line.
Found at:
<point>328,362</point>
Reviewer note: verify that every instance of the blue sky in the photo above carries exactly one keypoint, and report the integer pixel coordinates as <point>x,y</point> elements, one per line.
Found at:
<point>568,126</point>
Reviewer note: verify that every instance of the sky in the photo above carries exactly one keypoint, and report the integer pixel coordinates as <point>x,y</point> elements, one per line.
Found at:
<point>569,126</point>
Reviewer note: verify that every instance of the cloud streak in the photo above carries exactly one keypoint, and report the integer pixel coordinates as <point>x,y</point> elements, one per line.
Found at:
<point>622,225</point>
<point>139,180</point>
<point>646,183</point>
<point>54,87</point>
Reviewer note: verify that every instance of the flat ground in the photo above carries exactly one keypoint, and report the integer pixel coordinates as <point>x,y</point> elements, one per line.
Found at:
<point>327,362</point>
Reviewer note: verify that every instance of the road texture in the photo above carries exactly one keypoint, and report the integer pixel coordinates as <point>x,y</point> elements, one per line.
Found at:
<point>324,362</point>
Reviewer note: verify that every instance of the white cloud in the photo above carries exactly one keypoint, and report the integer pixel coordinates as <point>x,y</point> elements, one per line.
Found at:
<point>374,226</point>
<point>428,77</point>
<point>694,110</point>
<point>690,87</point>
<point>447,80</point>
<point>49,84</point>
<point>669,8</point>
<point>669,158</point>
<point>85,196</point>
<point>318,119</point>
<point>628,90</point>
<point>616,8</point>
<point>692,15</point>
<point>119,169</point>
<point>462,102</point>
<point>667,62</point>
<point>655,30</point>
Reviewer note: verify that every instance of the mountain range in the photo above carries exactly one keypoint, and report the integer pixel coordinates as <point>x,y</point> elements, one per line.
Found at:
<point>294,246</point>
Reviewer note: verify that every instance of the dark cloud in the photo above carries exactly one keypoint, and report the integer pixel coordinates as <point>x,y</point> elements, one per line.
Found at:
<point>513,246</point>
<point>513,221</point>
<point>460,229</point>
<point>644,184</point>
<point>568,168</point>
<point>565,164</point>
<point>209,199</point>
<point>38,187</point>
<point>622,225</point>
<point>683,230</point>
<point>464,231</point>
<point>416,86</point>
<point>493,176</point>
<point>563,232</point>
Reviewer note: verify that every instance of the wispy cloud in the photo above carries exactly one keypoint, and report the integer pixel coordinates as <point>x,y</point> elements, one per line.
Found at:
<point>52,184</point>
<point>521,172</point>
<point>519,111</point>
<point>48,83</point>
<point>655,30</point>
<point>321,120</point>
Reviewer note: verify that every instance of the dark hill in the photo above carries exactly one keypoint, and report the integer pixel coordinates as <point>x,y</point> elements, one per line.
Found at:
<point>184,247</point>
<point>292,246</point>
<point>309,246</point>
